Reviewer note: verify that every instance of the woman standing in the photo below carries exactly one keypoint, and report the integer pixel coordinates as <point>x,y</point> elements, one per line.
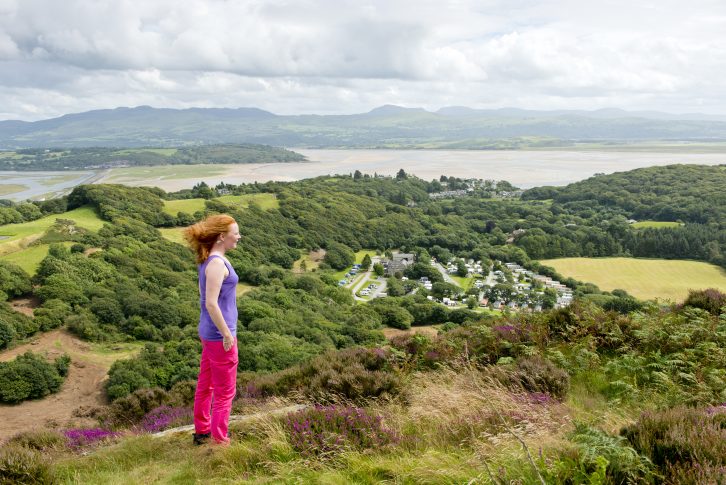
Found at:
<point>216,386</point>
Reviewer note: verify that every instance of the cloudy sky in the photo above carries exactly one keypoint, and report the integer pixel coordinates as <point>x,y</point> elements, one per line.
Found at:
<point>348,56</point>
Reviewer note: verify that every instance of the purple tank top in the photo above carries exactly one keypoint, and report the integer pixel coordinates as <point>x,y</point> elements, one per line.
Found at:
<point>227,302</point>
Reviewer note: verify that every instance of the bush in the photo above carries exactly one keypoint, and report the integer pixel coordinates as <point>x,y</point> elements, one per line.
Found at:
<point>129,410</point>
<point>322,430</point>
<point>682,441</point>
<point>352,374</point>
<point>38,440</point>
<point>29,376</point>
<point>164,417</point>
<point>22,465</point>
<point>82,437</point>
<point>711,300</point>
<point>535,375</point>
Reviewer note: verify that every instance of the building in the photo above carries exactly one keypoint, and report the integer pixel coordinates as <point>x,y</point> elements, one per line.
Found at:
<point>399,262</point>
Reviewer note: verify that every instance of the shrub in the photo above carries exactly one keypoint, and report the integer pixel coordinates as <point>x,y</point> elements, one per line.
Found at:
<point>682,441</point>
<point>82,437</point>
<point>29,376</point>
<point>38,439</point>
<point>353,374</point>
<point>164,417</point>
<point>22,465</point>
<point>535,375</point>
<point>711,300</point>
<point>325,430</point>
<point>129,410</point>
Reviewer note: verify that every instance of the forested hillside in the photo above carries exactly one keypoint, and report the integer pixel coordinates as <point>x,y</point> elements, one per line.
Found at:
<point>95,157</point>
<point>692,195</point>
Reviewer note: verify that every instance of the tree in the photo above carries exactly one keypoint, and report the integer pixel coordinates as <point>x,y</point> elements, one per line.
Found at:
<point>461,269</point>
<point>471,302</point>
<point>401,175</point>
<point>339,256</point>
<point>441,289</point>
<point>357,175</point>
<point>378,269</point>
<point>366,263</point>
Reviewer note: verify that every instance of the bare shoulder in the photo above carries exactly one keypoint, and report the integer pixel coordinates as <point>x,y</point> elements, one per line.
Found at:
<point>216,267</point>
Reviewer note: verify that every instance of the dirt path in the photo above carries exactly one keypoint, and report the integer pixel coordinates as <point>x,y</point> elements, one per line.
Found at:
<point>83,386</point>
<point>25,306</point>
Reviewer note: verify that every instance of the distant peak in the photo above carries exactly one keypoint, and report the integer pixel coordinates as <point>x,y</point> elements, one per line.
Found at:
<point>388,109</point>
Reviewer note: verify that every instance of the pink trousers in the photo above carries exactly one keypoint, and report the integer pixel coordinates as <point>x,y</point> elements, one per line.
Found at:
<point>216,387</point>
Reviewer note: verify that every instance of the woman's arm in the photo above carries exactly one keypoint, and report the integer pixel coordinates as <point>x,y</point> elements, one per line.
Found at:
<point>215,273</point>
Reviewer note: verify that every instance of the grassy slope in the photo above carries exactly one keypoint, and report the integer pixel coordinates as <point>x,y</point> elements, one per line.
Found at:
<point>643,278</point>
<point>29,258</point>
<point>20,235</point>
<point>190,206</point>
<point>439,403</point>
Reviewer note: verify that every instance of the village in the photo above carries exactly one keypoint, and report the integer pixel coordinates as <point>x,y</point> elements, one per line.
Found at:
<point>499,286</point>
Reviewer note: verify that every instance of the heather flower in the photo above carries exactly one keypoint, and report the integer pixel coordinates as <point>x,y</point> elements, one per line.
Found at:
<point>78,438</point>
<point>539,398</point>
<point>164,417</point>
<point>324,430</point>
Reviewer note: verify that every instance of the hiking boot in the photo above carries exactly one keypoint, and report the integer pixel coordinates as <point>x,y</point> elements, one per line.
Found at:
<point>201,438</point>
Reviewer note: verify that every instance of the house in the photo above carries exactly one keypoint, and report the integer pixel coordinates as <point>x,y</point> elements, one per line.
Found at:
<point>497,304</point>
<point>399,262</point>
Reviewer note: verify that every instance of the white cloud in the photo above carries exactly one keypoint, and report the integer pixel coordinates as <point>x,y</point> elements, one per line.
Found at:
<point>345,56</point>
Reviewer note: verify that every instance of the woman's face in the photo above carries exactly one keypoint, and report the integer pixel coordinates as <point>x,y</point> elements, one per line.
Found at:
<point>230,238</point>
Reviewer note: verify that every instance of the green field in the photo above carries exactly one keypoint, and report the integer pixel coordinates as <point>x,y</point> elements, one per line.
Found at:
<point>7,189</point>
<point>643,278</point>
<point>20,235</point>
<point>29,258</point>
<point>173,234</point>
<point>656,224</point>
<point>190,206</point>
<point>339,275</point>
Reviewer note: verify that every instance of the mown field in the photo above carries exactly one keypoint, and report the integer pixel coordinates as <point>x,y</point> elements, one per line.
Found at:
<point>655,224</point>
<point>643,278</point>
<point>190,206</point>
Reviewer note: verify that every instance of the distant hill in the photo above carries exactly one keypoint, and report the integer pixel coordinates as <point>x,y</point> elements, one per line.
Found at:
<point>387,126</point>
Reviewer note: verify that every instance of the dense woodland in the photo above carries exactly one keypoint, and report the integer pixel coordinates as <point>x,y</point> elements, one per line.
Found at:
<point>100,157</point>
<point>142,287</point>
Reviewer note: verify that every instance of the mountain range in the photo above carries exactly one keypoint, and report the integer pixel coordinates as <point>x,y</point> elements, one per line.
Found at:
<point>383,127</point>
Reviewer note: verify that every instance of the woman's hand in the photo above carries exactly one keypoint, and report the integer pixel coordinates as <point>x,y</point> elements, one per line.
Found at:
<point>227,342</point>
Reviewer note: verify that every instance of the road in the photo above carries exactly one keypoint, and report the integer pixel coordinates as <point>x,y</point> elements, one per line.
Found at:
<point>361,278</point>
<point>446,276</point>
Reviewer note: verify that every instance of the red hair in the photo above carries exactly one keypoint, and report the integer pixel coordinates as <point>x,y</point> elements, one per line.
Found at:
<point>202,235</point>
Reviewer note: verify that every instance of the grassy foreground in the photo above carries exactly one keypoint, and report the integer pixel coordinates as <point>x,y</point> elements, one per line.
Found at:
<point>643,278</point>
<point>572,396</point>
